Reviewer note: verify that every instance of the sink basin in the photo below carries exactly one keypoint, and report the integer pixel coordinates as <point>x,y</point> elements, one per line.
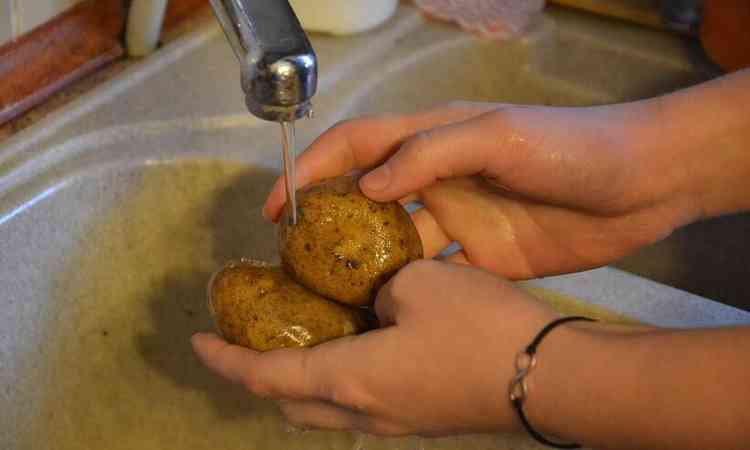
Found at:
<point>114,212</point>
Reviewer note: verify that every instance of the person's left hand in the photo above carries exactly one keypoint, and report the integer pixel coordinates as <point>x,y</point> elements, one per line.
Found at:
<point>440,366</point>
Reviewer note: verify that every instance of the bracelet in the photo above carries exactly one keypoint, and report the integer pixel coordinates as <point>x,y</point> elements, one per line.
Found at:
<point>525,361</point>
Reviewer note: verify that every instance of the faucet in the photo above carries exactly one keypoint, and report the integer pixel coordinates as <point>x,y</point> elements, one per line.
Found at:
<point>278,66</point>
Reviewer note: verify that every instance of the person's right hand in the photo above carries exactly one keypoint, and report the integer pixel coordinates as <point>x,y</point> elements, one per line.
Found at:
<point>526,191</point>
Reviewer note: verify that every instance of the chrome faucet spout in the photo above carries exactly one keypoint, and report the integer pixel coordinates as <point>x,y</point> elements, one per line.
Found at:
<point>277,62</point>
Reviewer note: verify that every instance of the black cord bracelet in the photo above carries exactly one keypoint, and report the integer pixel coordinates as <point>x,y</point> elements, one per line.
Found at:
<point>525,361</point>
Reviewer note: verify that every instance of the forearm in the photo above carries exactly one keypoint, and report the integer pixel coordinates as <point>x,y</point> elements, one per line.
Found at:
<point>654,389</point>
<point>704,132</point>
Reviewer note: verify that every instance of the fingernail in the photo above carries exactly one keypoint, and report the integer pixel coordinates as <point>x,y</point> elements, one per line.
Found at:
<point>378,179</point>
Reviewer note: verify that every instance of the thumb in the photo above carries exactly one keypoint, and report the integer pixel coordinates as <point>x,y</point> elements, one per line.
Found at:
<point>448,151</point>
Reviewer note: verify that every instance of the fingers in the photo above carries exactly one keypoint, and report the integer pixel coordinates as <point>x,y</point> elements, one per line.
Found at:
<point>230,361</point>
<point>325,372</point>
<point>457,258</point>
<point>411,286</point>
<point>388,303</point>
<point>326,416</point>
<point>411,198</point>
<point>363,143</point>
<point>285,373</point>
<point>453,150</point>
<point>385,307</point>
<point>434,239</point>
<point>321,415</point>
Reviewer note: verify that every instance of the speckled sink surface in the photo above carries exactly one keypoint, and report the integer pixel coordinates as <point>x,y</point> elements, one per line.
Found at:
<point>114,211</point>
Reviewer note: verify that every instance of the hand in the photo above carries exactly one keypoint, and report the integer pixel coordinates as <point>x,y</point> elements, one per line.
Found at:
<point>440,366</point>
<point>526,191</point>
<point>550,190</point>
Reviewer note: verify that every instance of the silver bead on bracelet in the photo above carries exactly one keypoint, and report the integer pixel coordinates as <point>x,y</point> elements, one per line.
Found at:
<point>518,390</point>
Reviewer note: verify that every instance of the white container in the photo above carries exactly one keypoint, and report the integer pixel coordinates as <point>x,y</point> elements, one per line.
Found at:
<point>144,26</point>
<point>343,17</point>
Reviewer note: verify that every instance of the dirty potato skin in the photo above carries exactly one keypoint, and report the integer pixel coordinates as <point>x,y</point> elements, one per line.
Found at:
<point>258,306</point>
<point>345,246</point>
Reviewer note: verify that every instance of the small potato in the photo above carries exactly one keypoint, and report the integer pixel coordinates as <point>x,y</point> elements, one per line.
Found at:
<point>344,245</point>
<point>258,306</point>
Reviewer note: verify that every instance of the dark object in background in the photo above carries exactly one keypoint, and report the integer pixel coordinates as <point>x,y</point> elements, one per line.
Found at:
<point>725,33</point>
<point>683,15</point>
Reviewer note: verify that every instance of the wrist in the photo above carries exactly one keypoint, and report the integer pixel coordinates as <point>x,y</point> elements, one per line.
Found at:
<point>704,134</point>
<point>577,369</point>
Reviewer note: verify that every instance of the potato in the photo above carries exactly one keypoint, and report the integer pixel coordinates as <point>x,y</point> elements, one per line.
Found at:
<point>258,306</point>
<point>344,245</point>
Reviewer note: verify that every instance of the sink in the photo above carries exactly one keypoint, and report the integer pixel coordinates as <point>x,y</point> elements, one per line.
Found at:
<point>114,211</point>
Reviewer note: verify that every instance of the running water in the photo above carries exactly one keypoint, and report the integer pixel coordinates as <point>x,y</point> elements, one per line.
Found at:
<point>287,130</point>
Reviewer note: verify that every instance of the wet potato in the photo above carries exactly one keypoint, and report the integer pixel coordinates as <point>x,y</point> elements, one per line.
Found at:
<point>258,306</point>
<point>343,248</point>
<point>344,245</point>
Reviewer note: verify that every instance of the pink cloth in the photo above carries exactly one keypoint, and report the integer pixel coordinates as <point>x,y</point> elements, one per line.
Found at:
<point>493,19</point>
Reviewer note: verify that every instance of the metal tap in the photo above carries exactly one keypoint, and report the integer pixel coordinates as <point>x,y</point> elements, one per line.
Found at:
<point>278,64</point>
